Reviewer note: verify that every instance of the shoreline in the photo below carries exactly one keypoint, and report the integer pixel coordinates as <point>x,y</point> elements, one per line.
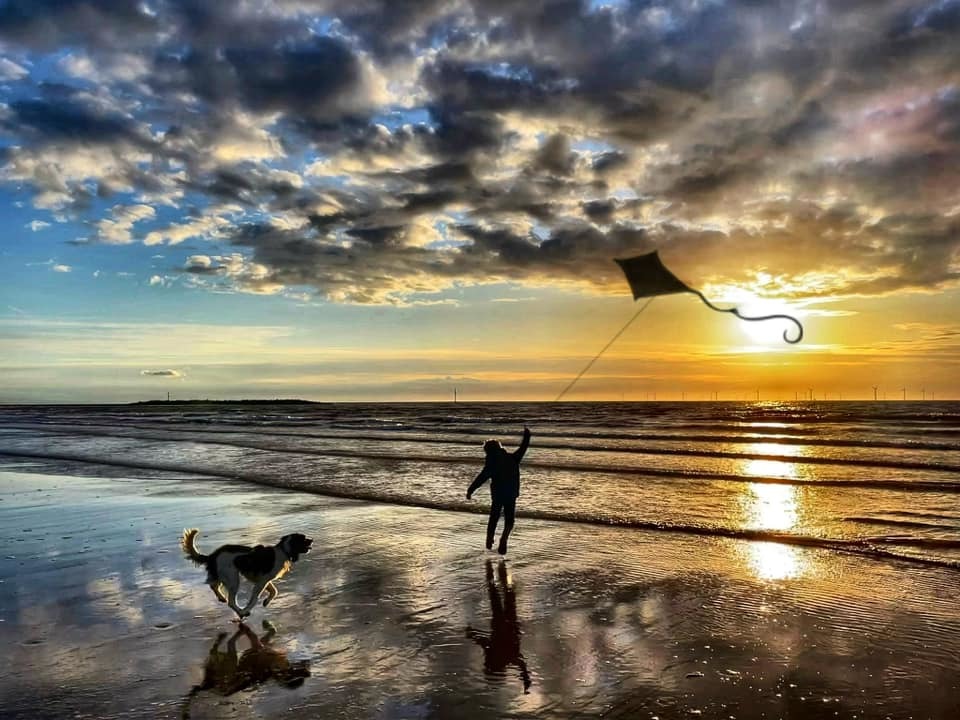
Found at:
<point>398,612</point>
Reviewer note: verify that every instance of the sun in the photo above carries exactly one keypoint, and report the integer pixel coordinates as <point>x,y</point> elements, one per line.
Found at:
<point>766,333</point>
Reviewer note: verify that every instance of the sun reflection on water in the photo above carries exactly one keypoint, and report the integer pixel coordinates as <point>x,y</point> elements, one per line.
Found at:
<point>773,561</point>
<point>771,507</point>
<point>775,508</point>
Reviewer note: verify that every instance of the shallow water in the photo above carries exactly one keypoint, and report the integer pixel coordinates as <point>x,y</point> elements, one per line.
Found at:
<point>876,479</point>
<point>399,613</point>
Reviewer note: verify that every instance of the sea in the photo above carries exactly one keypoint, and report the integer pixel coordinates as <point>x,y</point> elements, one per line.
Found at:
<point>877,479</point>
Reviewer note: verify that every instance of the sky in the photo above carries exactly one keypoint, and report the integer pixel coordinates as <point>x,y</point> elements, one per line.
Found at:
<point>390,199</point>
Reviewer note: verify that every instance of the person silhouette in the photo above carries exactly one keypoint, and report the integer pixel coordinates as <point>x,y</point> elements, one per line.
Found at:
<point>501,646</point>
<point>502,469</point>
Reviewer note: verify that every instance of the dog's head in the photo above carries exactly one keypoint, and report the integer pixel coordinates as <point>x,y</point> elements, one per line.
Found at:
<point>295,545</point>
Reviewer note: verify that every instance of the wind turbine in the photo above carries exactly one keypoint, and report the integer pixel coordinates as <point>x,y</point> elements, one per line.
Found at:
<point>875,388</point>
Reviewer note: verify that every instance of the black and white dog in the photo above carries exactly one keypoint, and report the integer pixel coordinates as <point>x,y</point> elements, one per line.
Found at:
<point>261,565</point>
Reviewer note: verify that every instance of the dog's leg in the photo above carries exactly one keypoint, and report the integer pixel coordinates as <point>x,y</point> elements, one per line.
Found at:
<point>272,592</point>
<point>232,602</point>
<point>215,586</point>
<point>231,580</point>
<point>254,596</point>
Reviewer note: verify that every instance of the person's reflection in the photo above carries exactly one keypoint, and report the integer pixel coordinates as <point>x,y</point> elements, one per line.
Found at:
<point>501,646</point>
<point>226,673</point>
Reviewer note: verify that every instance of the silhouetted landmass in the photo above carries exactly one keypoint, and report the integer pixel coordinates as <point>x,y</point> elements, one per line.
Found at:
<point>277,401</point>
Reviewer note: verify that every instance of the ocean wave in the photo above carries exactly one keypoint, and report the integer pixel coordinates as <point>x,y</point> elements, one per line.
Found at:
<point>431,434</point>
<point>892,522</point>
<point>879,463</point>
<point>878,547</point>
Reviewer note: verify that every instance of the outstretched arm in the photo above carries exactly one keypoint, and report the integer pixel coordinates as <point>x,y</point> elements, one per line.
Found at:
<point>524,444</point>
<point>480,480</point>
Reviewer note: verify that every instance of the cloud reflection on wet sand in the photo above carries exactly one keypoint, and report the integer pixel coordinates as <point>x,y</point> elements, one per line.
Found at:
<point>600,620</point>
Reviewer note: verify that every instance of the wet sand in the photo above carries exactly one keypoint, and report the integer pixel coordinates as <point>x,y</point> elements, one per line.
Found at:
<point>400,613</point>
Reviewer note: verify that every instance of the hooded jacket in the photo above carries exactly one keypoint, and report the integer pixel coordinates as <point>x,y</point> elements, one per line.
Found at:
<point>502,469</point>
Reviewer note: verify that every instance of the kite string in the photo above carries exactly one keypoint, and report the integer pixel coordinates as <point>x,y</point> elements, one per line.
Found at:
<point>605,348</point>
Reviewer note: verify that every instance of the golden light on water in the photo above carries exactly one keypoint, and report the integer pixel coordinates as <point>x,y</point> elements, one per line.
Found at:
<point>775,508</point>
<point>770,468</point>
<point>771,507</point>
<point>773,561</point>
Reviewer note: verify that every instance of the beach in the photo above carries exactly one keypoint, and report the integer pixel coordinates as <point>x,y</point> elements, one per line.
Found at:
<point>399,612</point>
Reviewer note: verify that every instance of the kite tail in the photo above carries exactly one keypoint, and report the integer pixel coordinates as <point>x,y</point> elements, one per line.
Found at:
<point>736,312</point>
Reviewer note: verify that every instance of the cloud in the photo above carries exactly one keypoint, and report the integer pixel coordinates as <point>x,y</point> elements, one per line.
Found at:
<point>162,373</point>
<point>117,230</point>
<point>238,272</point>
<point>212,225</point>
<point>37,225</point>
<point>11,71</point>
<point>61,268</point>
<point>383,152</point>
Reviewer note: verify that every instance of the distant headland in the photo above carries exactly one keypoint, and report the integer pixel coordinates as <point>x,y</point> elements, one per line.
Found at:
<point>278,401</point>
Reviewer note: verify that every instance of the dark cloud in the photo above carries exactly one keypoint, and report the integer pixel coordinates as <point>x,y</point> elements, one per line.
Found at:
<point>380,149</point>
<point>65,120</point>
<point>388,235</point>
<point>459,134</point>
<point>162,373</point>
<point>52,23</point>
<point>554,156</point>
<point>810,121</point>
<point>302,80</point>
<point>394,27</point>
<point>609,161</point>
<point>600,211</point>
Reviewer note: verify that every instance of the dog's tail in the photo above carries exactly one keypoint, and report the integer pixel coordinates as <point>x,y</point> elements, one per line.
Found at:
<point>189,544</point>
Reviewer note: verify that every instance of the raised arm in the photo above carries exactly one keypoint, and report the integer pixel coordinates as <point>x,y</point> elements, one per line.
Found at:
<point>524,444</point>
<point>484,475</point>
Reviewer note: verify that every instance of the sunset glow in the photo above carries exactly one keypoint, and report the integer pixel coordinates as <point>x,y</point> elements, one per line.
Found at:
<point>350,202</point>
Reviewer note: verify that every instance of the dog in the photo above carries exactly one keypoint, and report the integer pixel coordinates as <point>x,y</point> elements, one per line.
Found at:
<point>260,565</point>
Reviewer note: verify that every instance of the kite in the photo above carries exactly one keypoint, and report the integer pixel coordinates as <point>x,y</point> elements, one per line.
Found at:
<point>649,277</point>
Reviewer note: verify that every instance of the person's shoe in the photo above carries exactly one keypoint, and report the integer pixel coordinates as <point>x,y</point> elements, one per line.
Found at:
<point>502,548</point>
<point>490,543</point>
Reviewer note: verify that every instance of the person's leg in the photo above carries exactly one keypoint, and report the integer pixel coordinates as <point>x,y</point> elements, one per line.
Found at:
<point>496,505</point>
<point>509,510</point>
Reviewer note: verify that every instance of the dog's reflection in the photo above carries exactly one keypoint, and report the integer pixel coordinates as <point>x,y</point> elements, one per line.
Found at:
<point>225,672</point>
<point>501,646</point>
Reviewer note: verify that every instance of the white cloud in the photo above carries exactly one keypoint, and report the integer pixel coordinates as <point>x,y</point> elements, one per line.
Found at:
<point>245,141</point>
<point>9,70</point>
<point>57,170</point>
<point>62,268</point>
<point>211,226</point>
<point>246,276</point>
<point>125,67</point>
<point>117,231</point>
<point>198,262</point>
<point>36,225</point>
